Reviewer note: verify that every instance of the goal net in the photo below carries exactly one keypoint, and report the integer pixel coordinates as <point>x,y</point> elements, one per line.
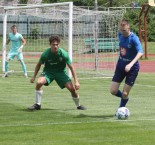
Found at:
<point>89,36</point>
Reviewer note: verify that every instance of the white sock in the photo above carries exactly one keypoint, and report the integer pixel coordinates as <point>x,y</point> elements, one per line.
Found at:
<point>76,101</point>
<point>38,94</point>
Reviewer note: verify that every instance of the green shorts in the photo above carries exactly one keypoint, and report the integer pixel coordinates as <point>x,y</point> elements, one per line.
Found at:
<point>11,55</point>
<point>60,77</point>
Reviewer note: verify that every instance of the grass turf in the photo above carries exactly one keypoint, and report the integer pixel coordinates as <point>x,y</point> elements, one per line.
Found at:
<point>60,123</point>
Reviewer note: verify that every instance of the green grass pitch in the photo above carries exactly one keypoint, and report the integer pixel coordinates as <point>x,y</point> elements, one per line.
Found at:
<point>59,123</point>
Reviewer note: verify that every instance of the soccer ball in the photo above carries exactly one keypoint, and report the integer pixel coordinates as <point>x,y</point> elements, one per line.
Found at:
<point>122,113</point>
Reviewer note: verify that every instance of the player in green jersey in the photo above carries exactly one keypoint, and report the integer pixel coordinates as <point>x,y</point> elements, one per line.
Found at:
<point>55,60</point>
<point>17,44</point>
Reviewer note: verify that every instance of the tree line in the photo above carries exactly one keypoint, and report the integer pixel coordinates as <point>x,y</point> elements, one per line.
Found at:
<point>131,14</point>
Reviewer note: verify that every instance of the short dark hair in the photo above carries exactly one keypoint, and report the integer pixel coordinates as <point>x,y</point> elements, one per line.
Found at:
<point>54,38</point>
<point>125,21</point>
<point>13,26</point>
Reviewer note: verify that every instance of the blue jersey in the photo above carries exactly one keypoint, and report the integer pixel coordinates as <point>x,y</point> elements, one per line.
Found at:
<point>15,41</point>
<point>129,47</point>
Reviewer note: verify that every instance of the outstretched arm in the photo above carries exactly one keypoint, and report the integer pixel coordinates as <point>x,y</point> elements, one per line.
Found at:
<point>77,85</point>
<point>37,68</point>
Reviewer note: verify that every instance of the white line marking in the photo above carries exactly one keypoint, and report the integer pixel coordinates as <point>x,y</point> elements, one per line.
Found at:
<point>67,123</point>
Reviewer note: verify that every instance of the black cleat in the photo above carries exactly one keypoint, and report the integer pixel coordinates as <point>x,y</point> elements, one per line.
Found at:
<point>81,108</point>
<point>34,107</point>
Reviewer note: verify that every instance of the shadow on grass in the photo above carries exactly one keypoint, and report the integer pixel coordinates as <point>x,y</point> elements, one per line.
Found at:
<point>44,109</point>
<point>95,116</point>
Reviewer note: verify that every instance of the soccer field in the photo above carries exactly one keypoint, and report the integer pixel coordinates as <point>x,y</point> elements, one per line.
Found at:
<point>59,123</point>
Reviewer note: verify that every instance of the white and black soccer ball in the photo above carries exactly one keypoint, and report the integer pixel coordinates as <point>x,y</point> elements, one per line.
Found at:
<point>122,113</point>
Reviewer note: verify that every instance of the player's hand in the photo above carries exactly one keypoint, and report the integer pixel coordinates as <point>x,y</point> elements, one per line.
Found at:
<point>20,49</point>
<point>77,85</point>
<point>32,80</point>
<point>128,67</point>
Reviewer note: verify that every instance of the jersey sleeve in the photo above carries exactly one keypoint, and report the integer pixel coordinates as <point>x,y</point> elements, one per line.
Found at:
<point>67,58</point>
<point>42,59</point>
<point>9,36</point>
<point>21,36</point>
<point>138,45</point>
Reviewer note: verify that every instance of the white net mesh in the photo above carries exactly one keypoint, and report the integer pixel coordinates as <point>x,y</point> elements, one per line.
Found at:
<point>94,42</point>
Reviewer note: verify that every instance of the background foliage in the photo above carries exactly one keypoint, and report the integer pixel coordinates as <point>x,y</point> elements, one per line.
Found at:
<point>131,14</point>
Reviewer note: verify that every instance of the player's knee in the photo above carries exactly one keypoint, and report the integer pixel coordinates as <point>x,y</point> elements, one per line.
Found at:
<point>40,82</point>
<point>124,95</point>
<point>21,61</point>
<point>113,91</point>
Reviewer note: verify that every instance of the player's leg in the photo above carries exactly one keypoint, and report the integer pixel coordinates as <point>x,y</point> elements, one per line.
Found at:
<point>114,90</point>
<point>64,81</point>
<point>20,58</point>
<point>44,79</point>
<point>125,94</point>
<point>129,82</point>
<point>116,81</point>
<point>10,56</point>
<point>74,95</point>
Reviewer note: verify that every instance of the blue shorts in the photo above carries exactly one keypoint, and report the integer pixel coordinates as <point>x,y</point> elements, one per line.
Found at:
<point>12,55</point>
<point>130,77</point>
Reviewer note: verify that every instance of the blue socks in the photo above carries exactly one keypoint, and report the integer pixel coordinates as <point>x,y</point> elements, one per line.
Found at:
<point>119,94</point>
<point>123,101</point>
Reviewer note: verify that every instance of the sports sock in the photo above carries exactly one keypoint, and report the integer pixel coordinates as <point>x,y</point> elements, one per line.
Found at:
<point>38,94</point>
<point>123,102</point>
<point>76,101</point>
<point>119,94</point>
<point>23,67</point>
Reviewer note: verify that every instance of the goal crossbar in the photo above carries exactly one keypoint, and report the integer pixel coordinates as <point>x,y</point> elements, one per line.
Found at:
<point>70,17</point>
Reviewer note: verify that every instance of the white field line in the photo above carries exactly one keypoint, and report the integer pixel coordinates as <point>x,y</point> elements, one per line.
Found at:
<point>68,123</point>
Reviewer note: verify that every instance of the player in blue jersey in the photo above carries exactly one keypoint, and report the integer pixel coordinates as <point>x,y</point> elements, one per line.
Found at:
<point>17,44</point>
<point>55,60</point>
<point>127,66</point>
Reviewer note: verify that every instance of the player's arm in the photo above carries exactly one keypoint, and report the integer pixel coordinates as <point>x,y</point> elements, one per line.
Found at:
<point>37,68</point>
<point>7,42</point>
<point>23,44</point>
<point>71,67</point>
<point>137,57</point>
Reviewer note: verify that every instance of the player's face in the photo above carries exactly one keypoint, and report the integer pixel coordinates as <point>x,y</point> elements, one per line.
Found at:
<point>54,46</point>
<point>125,29</point>
<point>14,30</point>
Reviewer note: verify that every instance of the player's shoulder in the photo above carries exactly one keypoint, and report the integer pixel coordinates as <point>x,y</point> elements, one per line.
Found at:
<point>18,34</point>
<point>134,37</point>
<point>63,53</point>
<point>62,50</point>
<point>46,51</point>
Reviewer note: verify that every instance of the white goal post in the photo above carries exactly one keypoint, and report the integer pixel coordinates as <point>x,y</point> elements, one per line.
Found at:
<point>89,36</point>
<point>33,11</point>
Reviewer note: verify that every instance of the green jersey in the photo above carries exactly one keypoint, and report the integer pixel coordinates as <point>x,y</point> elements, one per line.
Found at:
<point>54,62</point>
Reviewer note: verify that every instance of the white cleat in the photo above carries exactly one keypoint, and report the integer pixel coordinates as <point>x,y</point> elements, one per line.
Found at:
<point>25,74</point>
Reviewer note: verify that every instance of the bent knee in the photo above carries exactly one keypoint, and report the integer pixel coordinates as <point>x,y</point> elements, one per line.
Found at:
<point>113,92</point>
<point>41,81</point>
<point>125,95</point>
